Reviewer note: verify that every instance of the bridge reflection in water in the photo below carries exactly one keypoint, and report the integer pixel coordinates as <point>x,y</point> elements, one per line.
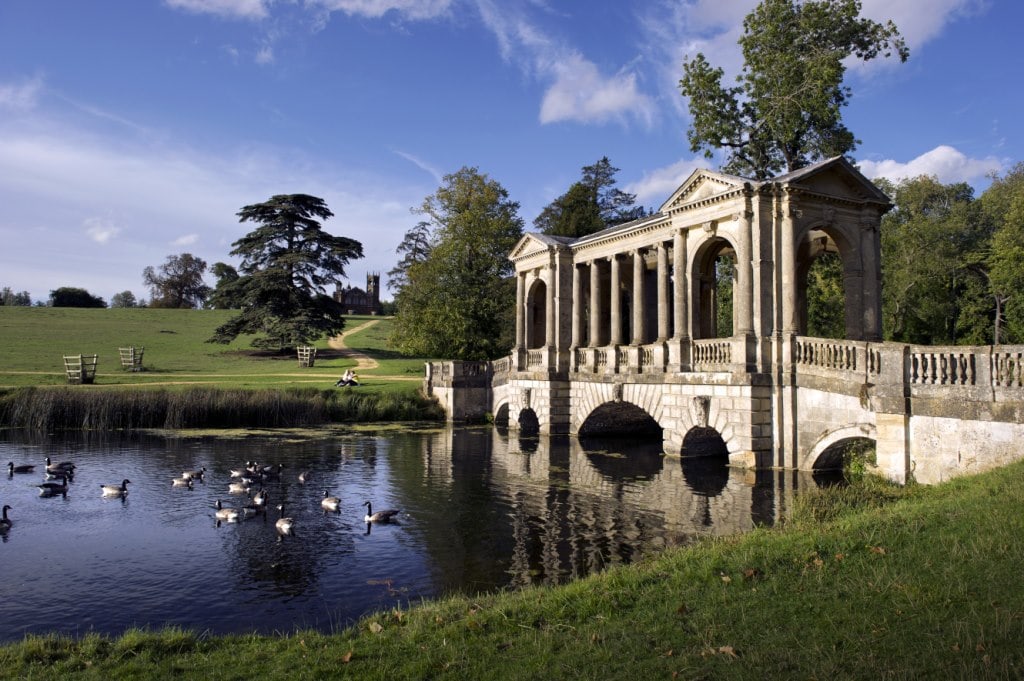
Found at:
<point>578,506</point>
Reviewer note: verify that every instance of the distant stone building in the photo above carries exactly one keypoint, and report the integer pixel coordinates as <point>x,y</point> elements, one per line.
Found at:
<point>358,301</point>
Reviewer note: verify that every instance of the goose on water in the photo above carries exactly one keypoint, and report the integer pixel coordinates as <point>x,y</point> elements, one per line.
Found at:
<point>284,524</point>
<point>304,476</point>
<point>24,468</point>
<point>330,503</point>
<point>195,475</point>
<point>259,499</point>
<point>238,487</point>
<point>226,514</point>
<point>116,490</point>
<point>53,488</point>
<point>182,482</point>
<point>63,466</point>
<point>5,522</point>
<point>379,516</point>
<point>239,472</point>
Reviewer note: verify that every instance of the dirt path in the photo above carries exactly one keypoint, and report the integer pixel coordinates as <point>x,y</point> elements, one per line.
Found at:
<point>363,362</point>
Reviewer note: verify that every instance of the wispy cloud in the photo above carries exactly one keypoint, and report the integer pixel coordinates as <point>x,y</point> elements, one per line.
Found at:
<point>232,9</point>
<point>414,10</point>
<point>100,230</point>
<point>943,162</point>
<point>21,96</point>
<point>657,185</point>
<point>422,165</point>
<point>186,240</point>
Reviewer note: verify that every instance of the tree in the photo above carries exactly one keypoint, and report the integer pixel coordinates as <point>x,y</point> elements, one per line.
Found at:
<point>227,293</point>
<point>287,261</point>
<point>931,245</point>
<point>10,298</point>
<point>68,296</point>
<point>590,205</point>
<point>455,302</point>
<point>786,111</point>
<point>1003,206</point>
<point>179,282</point>
<point>415,248</point>
<point>123,299</point>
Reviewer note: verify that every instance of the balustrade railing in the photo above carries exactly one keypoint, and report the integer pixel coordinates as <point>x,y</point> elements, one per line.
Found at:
<point>827,354</point>
<point>709,354</point>
<point>534,358</point>
<point>1008,368</point>
<point>941,366</point>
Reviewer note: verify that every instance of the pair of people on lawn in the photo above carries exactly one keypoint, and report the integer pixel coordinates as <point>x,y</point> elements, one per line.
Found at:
<point>348,378</point>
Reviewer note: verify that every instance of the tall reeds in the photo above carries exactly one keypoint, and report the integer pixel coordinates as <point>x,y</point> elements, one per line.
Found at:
<point>51,409</point>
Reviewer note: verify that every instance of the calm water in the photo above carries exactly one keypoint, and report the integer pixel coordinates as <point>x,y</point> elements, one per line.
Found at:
<point>480,511</point>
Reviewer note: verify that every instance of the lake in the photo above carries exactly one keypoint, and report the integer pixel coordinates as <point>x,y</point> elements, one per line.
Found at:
<point>480,511</point>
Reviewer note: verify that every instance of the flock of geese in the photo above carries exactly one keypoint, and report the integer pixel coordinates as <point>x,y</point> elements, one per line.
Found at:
<point>58,475</point>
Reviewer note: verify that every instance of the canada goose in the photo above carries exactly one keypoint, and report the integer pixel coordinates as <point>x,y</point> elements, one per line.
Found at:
<point>50,489</point>
<point>5,522</point>
<point>58,475</point>
<point>271,472</point>
<point>24,468</point>
<point>379,516</point>
<point>239,472</point>
<point>182,482</point>
<point>195,475</point>
<point>284,525</point>
<point>249,508</point>
<point>238,487</point>
<point>116,490</point>
<point>259,499</point>
<point>63,466</point>
<point>304,476</point>
<point>330,503</point>
<point>228,515</point>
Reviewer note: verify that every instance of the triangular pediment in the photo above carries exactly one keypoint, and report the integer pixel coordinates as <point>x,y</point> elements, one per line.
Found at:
<point>533,242</point>
<point>835,177</point>
<point>700,186</point>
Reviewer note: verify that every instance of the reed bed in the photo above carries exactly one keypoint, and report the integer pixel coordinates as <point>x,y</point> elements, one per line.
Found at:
<point>54,409</point>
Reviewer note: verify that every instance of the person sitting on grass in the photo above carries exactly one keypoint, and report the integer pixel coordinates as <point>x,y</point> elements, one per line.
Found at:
<point>346,379</point>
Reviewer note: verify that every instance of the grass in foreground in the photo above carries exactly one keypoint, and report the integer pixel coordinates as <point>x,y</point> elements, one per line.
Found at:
<point>897,583</point>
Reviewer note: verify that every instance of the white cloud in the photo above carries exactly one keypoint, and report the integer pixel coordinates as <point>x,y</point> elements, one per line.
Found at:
<point>944,162</point>
<point>21,96</point>
<point>422,165</point>
<point>920,20</point>
<point>374,9</point>
<point>100,230</point>
<point>232,9</point>
<point>186,240</point>
<point>581,93</point>
<point>657,185</point>
<point>265,55</point>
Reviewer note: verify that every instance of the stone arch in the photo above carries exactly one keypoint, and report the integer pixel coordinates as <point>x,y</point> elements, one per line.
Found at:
<point>619,419</point>
<point>703,411</point>
<point>813,460</point>
<point>501,414</point>
<point>529,422</point>
<point>814,241</point>
<point>704,289</point>
<point>536,314</point>
<point>591,396</point>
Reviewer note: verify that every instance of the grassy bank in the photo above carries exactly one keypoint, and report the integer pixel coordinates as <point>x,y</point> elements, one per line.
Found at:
<point>870,581</point>
<point>51,409</point>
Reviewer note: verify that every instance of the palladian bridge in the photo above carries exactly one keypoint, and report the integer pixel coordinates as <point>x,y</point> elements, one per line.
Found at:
<point>621,331</point>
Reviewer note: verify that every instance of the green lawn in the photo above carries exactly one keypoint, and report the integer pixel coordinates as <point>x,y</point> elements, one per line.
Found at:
<point>34,339</point>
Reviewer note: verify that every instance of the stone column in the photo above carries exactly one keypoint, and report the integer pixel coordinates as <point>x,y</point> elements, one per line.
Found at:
<point>520,310</point>
<point>663,317</point>
<point>639,270</point>
<point>871,268</point>
<point>595,304</point>
<point>550,335</point>
<point>577,317</point>
<point>680,294</point>
<point>744,276</point>
<point>788,264</point>
<point>616,303</point>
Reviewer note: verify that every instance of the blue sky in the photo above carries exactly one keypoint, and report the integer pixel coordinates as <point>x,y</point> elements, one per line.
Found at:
<point>131,130</point>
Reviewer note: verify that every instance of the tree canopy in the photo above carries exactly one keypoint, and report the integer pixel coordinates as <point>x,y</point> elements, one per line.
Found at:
<point>454,302</point>
<point>590,204</point>
<point>288,260</point>
<point>70,296</point>
<point>178,283</point>
<point>9,297</point>
<point>227,294</point>
<point>123,299</point>
<point>785,113</point>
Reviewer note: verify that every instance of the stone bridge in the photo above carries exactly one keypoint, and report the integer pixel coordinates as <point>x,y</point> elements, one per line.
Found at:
<point>629,331</point>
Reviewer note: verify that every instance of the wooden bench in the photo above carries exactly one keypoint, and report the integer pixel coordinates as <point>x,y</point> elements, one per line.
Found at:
<point>307,355</point>
<point>131,358</point>
<point>80,369</point>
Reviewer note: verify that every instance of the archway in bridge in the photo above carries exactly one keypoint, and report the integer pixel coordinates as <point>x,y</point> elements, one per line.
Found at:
<point>846,455</point>
<point>501,416</point>
<point>620,419</point>
<point>827,266</point>
<point>704,443</point>
<point>529,424</point>
<point>537,315</point>
<point>714,275</point>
